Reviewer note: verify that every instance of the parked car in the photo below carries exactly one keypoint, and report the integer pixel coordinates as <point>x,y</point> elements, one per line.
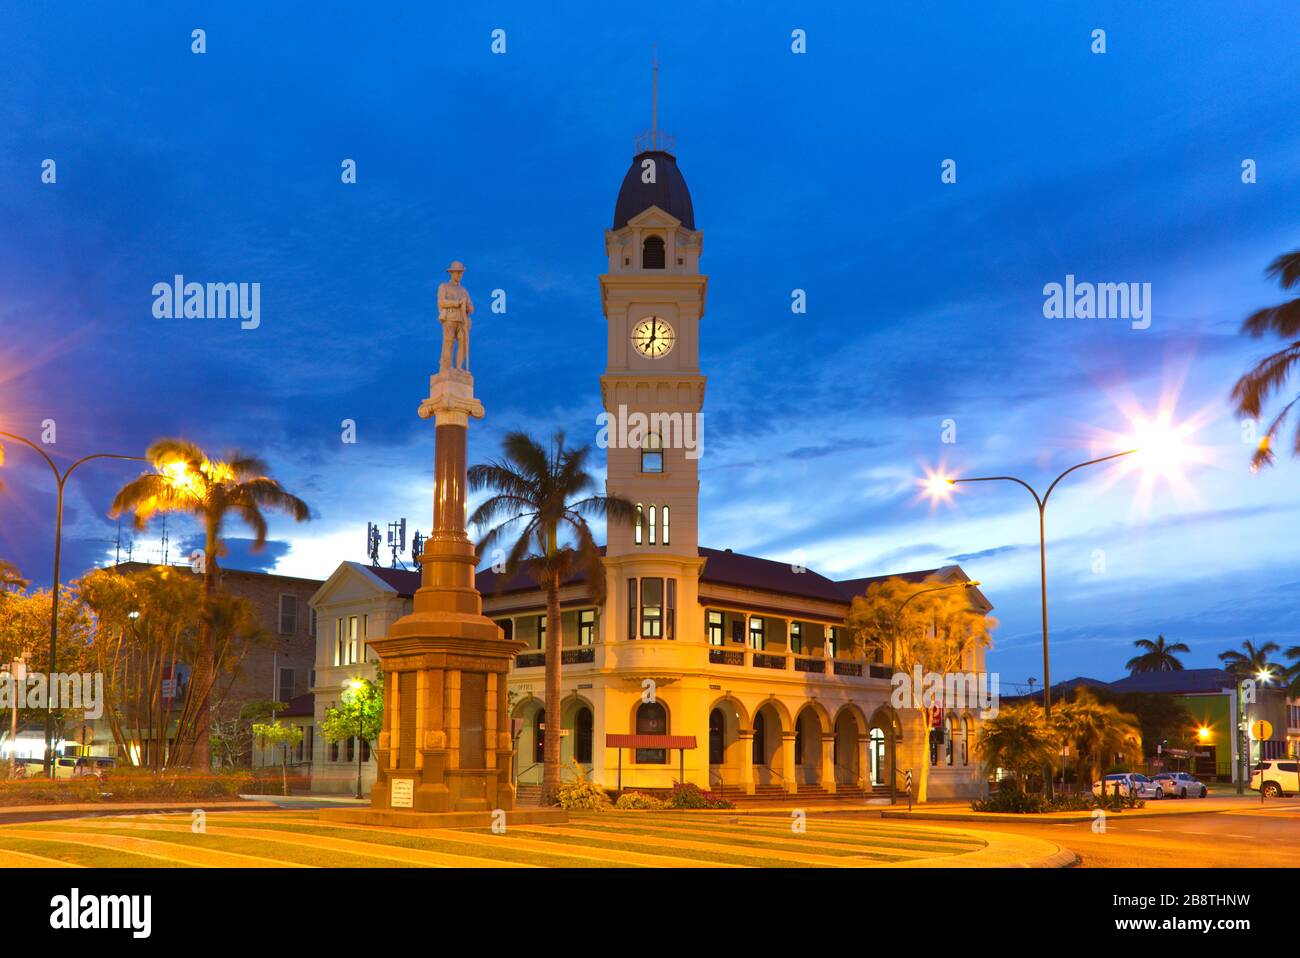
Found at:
<point>1276,779</point>
<point>1180,785</point>
<point>1130,784</point>
<point>94,765</point>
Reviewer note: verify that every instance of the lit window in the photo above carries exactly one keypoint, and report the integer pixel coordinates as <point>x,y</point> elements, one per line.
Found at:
<point>541,632</point>
<point>338,642</point>
<point>640,524</point>
<point>757,636</point>
<point>652,454</point>
<point>665,525</point>
<point>713,627</point>
<point>652,598</point>
<point>833,641</point>
<point>796,637</point>
<point>587,627</point>
<point>654,524</point>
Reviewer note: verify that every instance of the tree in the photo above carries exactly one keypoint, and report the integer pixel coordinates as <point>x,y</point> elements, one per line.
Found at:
<point>284,737</point>
<point>210,490</point>
<point>10,579</point>
<point>543,495</point>
<point>361,716</point>
<point>1251,662</point>
<point>1157,656</point>
<point>147,626</point>
<point>1018,741</point>
<point>1271,373</point>
<point>939,631</point>
<point>1099,732</point>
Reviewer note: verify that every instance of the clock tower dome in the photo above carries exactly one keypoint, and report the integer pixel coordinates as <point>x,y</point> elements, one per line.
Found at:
<point>652,390</point>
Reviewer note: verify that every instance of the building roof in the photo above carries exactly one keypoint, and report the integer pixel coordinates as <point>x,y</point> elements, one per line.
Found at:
<point>135,566</point>
<point>300,705</point>
<point>724,567</point>
<point>1182,682</point>
<point>668,191</point>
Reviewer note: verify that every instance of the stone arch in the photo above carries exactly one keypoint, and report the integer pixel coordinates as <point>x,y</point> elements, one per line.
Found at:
<point>571,747</point>
<point>850,738</point>
<point>727,718</point>
<point>528,744</point>
<point>771,723</point>
<point>812,729</point>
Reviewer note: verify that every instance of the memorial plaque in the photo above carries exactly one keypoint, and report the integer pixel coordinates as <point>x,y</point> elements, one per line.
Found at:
<point>402,793</point>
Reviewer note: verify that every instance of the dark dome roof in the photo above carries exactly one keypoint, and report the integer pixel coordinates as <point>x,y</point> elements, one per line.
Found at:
<point>668,192</point>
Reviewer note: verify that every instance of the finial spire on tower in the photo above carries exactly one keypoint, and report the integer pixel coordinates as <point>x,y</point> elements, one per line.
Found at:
<point>653,138</point>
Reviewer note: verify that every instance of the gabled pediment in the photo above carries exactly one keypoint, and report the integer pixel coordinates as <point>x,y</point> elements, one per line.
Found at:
<point>351,582</point>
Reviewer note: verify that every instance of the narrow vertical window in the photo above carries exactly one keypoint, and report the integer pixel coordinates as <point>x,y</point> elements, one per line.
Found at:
<point>670,609</point>
<point>338,641</point>
<point>652,608</point>
<point>640,524</point>
<point>653,525</point>
<point>541,632</point>
<point>832,641</point>
<point>713,627</point>
<point>652,253</point>
<point>632,611</point>
<point>665,525</point>
<point>587,627</point>
<point>796,637</point>
<point>757,636</point>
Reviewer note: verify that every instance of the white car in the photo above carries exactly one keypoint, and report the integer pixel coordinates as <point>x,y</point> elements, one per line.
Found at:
<point>1276,779</point>
<point>1180,785</point>
<point>1129,783</point>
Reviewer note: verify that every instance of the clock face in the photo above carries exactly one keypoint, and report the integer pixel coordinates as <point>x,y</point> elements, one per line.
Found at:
<point>653,337</point>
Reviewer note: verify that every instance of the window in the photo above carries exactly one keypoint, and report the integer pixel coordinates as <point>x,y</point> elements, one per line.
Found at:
<point>312,620</point>
<point>738,631</point>
<point>757,634</point>
<point>587,627</point>
<point>833,641</point>
<point>652,253</point>
<point>951,750</point>
<point>713,627</point>
<point>651,719</point>
<point>352,749</point>
<point>640,525</point>
<point>652,598</point>
<point>288,614</point>
<point>665,539</point>
<point>284,683</point>
<point>652,454</point>
<point>582,735</point>
<point>507,628</point>
<point>670,613</point>
<point>968,733</point>
<point>796,637</point>
<point>338,642</point>
<point>334,751</point>
<point>654,525</point>
<point>631,608</point>
<point>365,751</point>
<point>716,737</point>
<point>309,742</point>
<point>541,632</point>
<point>539,736</point>
<point>353,638</point>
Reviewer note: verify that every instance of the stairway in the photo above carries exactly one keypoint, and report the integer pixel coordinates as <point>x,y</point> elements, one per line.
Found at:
<point>806,795</point>
<point>528,794</point>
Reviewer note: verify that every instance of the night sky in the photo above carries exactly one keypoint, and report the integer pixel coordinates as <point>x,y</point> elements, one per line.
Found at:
<point>818,171</point>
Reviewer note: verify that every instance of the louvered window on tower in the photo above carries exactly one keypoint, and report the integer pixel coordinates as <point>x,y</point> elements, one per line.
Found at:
<point>652,253</point>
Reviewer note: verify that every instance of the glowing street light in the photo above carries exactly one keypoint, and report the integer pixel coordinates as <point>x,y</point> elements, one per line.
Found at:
<point>61,479</point>
<point>355,686</point>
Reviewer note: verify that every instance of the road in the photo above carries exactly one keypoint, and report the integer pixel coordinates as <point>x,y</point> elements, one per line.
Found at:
<point>1249,837</point>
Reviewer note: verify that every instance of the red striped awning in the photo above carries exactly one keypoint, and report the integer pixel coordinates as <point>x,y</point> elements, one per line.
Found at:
<point>650,741</point>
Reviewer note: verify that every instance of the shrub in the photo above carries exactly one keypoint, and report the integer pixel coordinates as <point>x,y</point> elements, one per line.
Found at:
<point>1031,803</point>
<point>639,800</point>
<point>126,784</point>
<point>580,793</point>
<point>690,795</point>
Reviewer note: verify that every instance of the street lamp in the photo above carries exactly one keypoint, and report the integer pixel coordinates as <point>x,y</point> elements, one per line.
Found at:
<point>1041,502</point>
<point>356,685</point>
<point>893,662</point>
<point>61,479</point>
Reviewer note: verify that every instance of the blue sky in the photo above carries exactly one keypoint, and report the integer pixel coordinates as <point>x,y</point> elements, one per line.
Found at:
<point>818,171</point>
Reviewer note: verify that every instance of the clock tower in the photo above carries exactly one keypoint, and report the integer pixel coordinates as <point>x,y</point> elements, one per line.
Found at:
<point>653,393</point>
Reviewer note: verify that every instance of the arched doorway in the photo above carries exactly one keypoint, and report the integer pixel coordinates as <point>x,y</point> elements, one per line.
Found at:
<point>531,744</point>
<point>809,740</point>
<point>767,756</point>
<point>726,718</point>
<point>848,741</point>
<point>717,733</point>
<point>879,760</point>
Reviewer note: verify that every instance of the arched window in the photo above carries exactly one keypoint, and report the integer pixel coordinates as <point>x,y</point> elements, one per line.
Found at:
<point>760,744</point>
<point>582,729</point>
<point>652,253</point>
<point>654,525</point>
<point>716,725</point>
<point>539,736</point>
<point>652,454</point>
<point>665,525</point>
<point>951,726</point>
<point>877,737</point>
<point>651,719</point>
<point>640,523</point>
<point>965,741</point>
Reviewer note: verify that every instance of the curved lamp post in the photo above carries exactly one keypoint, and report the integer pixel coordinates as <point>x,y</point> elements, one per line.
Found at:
<point>61,478</point>
<point>1041,502</point>
<point>893,656</point>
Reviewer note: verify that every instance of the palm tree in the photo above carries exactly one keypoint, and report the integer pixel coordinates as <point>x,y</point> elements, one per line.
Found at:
<point>550,493</point>
<point>9,577</point>
<point>1270,374</point>
<point>1157,656</point>
<point>1252,662</point>
<point>187,480</point>
<point>1101,732</point>
<point>1017,740</point>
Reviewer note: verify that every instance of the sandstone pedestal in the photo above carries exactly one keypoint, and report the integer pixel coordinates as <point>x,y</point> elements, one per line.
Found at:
<point>444,754</point>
